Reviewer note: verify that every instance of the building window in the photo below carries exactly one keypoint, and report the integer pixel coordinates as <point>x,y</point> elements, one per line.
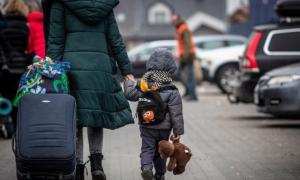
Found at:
<point>160,18</point>
<point>159,14</point>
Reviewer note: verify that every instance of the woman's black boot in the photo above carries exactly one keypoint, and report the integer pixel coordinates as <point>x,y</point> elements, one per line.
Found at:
<point>80,172</point>
<point>96,166</point>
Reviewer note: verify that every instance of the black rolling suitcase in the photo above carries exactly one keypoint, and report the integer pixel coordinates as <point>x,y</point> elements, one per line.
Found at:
<point>45,141</point>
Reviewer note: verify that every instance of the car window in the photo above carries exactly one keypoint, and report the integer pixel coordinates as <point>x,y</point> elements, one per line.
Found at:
<point>171,48</point>
<point>285,42</point>
<point>148,52</point>
<point>235,42</point>
<point>145,54</point>
<point>136,50</point>
<point>212,45</point>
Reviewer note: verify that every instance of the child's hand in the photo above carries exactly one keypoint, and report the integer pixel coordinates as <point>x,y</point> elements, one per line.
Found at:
<point>175,137</point>
<point>129,77</point>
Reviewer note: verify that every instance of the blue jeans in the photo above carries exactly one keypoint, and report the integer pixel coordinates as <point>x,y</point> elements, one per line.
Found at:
<point>189,85</point>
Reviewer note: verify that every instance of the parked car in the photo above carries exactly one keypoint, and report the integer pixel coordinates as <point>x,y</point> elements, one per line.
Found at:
<point>141,53</point>
<point>221,66</point>
<point>270,47</point>
<point>277,92</point>
<point>207,43</point>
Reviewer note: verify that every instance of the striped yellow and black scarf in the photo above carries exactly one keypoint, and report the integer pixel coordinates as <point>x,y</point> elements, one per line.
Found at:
<point>157,77</point>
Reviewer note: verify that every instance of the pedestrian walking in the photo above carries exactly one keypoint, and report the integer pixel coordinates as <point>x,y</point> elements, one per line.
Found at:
<point>159,67</point>
<point>186,55</point>
<point>3,21</point>
<point>37,2</point>
<point>36,41</point>
<point>3,24</point>
<point>13,42</point>
<point>86,34</point>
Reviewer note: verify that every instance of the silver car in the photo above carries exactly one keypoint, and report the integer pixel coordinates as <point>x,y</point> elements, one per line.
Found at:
<point>141,53</point>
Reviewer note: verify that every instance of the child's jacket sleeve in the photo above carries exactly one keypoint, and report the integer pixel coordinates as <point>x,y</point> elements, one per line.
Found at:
<point>175,110</point>
<point>130,91</point>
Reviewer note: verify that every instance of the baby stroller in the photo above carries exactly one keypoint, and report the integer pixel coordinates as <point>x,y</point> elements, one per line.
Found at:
<point>6,123</point>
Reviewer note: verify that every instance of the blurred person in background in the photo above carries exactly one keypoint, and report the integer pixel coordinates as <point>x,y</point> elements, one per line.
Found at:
<point>186,55</point>
<point>36,41</point>
<point>3,24</point>
<point>14,44</point>
<point>36,2</point>
<point>3,21</point>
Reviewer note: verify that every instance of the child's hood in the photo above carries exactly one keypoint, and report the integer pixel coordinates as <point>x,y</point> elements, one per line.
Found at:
<point>162,60</point>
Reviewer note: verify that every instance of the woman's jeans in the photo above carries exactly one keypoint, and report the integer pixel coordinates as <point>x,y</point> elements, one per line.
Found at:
<point>95,137</point>
<point>190,85</point>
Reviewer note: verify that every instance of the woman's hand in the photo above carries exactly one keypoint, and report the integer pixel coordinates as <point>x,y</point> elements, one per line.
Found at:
<point>130,77</point>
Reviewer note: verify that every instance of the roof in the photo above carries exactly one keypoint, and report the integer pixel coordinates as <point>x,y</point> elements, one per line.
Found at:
<point>275,26</point>
<point>199,18</point>
<point>198,13</point>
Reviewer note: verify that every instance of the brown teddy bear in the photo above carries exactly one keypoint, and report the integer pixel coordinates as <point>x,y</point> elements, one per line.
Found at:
<point>179,155</point>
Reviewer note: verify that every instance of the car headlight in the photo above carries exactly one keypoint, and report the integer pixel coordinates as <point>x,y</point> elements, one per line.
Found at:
<point>283,79</point>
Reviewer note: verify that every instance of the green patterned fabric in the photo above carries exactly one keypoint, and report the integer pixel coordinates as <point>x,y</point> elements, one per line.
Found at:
<point>44,76</point>
<point>85,33</point>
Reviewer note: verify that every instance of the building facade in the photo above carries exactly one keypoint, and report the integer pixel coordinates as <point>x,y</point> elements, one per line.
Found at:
<point>147,20</point>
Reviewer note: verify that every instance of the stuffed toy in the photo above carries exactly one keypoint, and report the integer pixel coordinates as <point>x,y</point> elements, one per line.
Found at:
<point>179,155</point>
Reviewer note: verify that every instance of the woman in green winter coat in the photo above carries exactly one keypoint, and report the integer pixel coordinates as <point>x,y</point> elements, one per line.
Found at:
<point>85,33</point>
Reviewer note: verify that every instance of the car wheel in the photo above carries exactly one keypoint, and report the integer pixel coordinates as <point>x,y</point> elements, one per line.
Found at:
<point>226,78</point>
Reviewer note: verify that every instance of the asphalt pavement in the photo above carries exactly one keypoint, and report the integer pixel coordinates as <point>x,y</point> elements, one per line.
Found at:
<point>231,142</point>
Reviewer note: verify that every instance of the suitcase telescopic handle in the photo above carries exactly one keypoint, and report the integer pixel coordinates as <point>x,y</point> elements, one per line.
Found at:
<point>13,143</point>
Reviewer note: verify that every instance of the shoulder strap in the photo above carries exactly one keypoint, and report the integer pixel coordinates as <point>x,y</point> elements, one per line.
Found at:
<point>171,87</point>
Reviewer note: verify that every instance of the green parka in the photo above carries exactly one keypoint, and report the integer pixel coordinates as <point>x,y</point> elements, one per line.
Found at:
<point>85,33</point>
